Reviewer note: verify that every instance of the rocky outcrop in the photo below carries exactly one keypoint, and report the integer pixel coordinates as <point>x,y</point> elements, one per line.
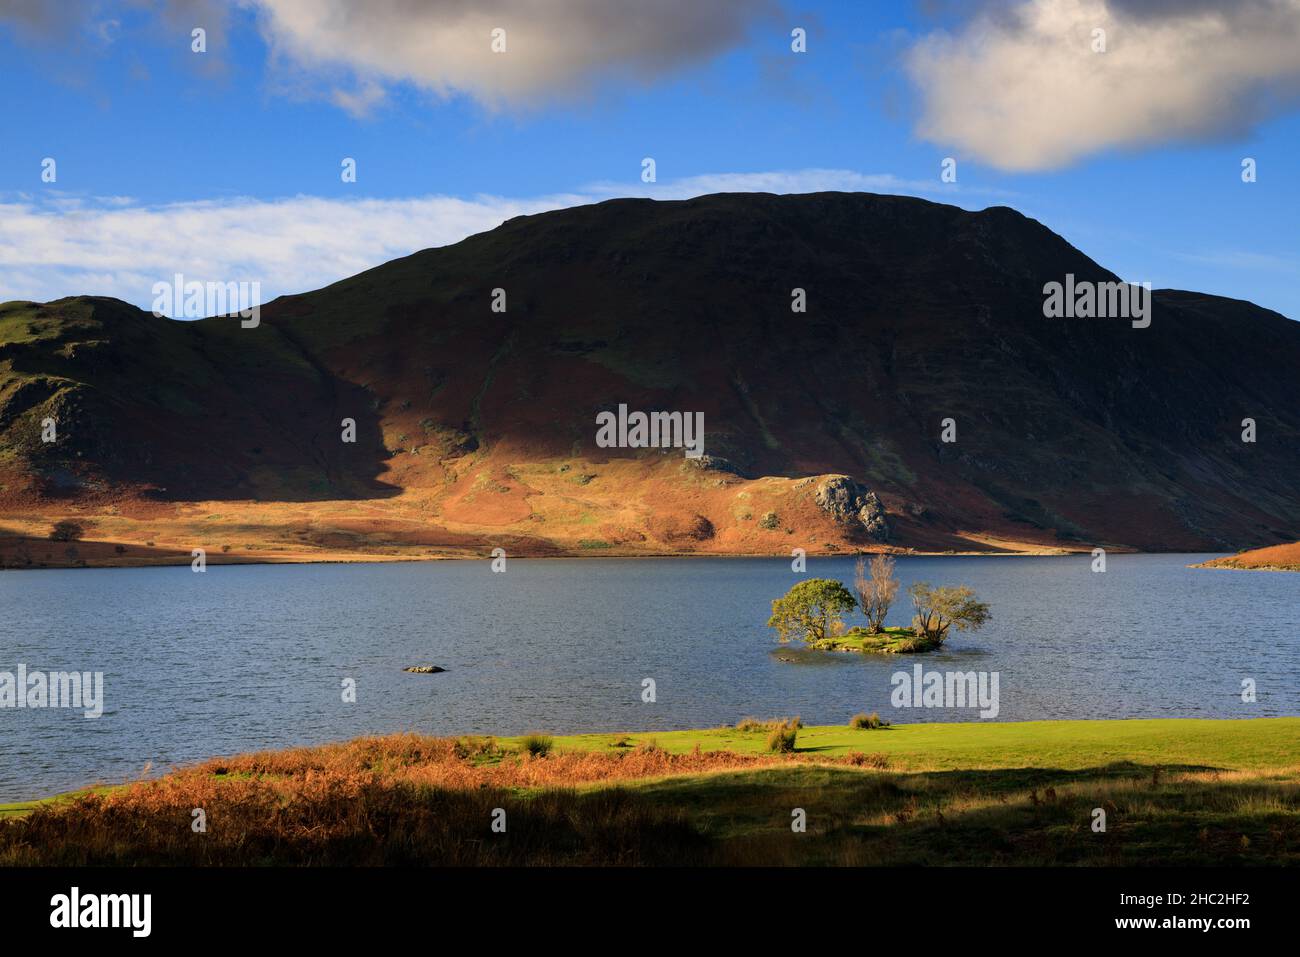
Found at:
<point>851,502</point>
<point>714,463</point>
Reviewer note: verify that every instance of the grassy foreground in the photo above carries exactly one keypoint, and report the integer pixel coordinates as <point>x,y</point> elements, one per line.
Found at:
<point>1185,792</point>
<point>1069,745</point>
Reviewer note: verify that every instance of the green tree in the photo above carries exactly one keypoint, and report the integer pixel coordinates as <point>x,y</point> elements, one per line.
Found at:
<point>809,608</point>
<point>938,609</point>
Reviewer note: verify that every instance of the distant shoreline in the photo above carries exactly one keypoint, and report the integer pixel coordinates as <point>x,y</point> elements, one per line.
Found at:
<point>172,557</point>
<point>1274,558</point>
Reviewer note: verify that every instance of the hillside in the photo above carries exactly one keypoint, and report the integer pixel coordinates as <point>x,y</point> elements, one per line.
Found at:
<point>1274,558</point>
<point>477,428</point>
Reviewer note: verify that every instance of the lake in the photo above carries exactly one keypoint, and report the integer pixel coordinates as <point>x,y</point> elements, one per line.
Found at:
<point>252,657</point>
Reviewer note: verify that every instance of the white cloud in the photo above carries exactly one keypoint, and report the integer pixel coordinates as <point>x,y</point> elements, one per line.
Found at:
<point>54,245</point>
<point>554,48</point>
<point>351,53</point>
<point>67,247</point>
<point>1023,89</point>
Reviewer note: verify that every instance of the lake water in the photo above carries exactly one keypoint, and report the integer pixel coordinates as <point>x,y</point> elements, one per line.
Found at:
<point>252,657</point>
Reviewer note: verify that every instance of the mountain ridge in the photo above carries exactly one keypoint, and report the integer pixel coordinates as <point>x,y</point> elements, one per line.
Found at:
<point>476,428</point>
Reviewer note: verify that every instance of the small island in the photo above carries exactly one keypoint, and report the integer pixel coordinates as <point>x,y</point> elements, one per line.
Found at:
<point>889,641</point>
<point>811,612</point>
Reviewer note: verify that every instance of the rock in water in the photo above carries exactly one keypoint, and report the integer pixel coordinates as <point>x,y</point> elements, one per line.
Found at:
<point>852,502</point>
<point>424,669</point>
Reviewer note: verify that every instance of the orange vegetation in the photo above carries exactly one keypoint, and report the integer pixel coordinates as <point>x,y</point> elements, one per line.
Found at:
<point>653,505</point>
<point>1276,558</point>
<point>390,800</point>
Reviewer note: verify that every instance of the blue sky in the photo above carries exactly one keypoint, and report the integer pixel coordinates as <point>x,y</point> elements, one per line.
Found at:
<point>228,161</point>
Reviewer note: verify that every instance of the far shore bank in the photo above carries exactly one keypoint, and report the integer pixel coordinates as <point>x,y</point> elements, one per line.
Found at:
<point>91,554</point>
<point>1275,558</point>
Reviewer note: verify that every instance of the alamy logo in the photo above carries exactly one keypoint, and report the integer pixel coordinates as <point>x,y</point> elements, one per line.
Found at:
<point>179,299</point>
<point>74,909</point>
<point>946,689</point>
<point>1098,300</point>
<point>651,430</point>
<point>55,689</point>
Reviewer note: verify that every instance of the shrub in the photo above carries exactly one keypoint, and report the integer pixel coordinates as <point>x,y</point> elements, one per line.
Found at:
<point>867,722</point>
<point>908,645</point>
<point>781,739</point>
<point>769,520</point>
<point>537,745</point>
<point>860,760</point>
<point>754,724</point>
<point>66,531</point>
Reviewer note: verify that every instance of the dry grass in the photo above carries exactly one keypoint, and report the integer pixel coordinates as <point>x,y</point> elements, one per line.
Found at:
<point>391,800</point>
<point>1280,558</point>
<point>463,763</point>
<point>407,799</point>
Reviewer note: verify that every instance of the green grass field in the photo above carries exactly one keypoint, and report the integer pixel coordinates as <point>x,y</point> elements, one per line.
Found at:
<point>1068,745</point>
<point>19,808</point>
<point>1176,791</point>
<point>1172,792</point>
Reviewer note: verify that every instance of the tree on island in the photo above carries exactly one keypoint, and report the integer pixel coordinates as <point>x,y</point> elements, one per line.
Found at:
<point>877,588</point>
<point>809,609</point>
<point>938,609</point>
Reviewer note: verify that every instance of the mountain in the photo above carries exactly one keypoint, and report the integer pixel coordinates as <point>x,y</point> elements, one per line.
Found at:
<point>823,429</point>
